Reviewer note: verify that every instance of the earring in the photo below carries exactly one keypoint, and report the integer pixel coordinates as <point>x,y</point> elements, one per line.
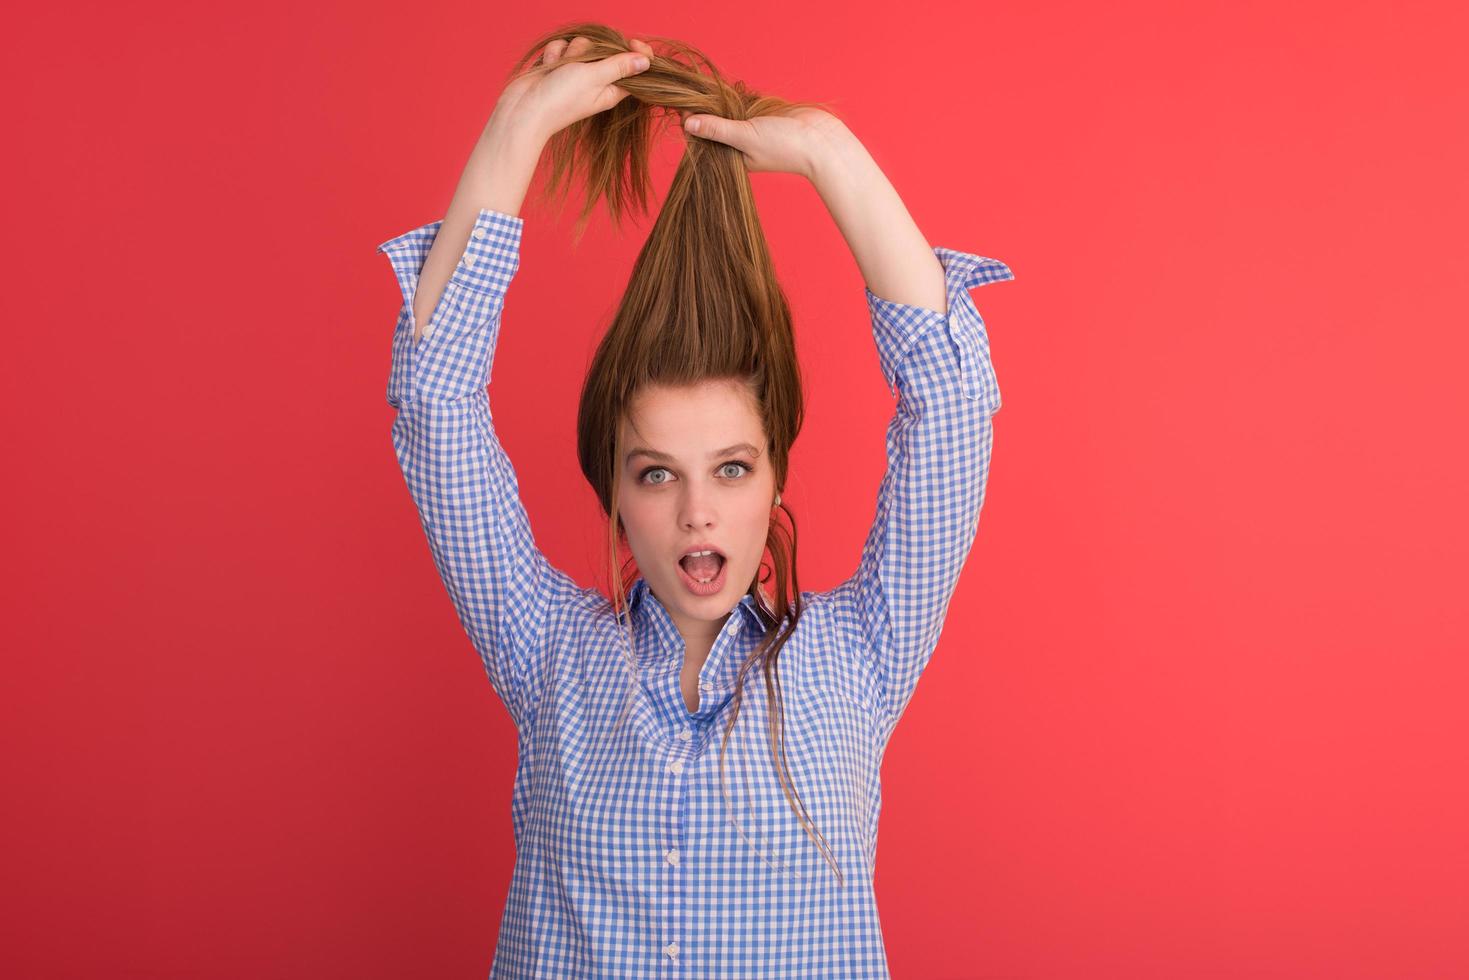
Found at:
<point>777,501</point>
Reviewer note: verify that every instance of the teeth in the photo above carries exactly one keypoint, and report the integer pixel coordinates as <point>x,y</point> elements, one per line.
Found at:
<point>695,554</point>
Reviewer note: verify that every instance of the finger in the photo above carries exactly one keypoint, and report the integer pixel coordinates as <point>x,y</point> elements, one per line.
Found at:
<point>553,52</point>
<point>642,46</point>
<point>622,65</point>
<point>578,45</point>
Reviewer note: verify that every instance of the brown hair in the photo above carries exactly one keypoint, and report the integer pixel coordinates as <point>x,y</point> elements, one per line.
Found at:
<point>702,303</point>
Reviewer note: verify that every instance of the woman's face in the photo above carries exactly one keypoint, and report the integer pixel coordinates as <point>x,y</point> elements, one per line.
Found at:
<point>695,475</point>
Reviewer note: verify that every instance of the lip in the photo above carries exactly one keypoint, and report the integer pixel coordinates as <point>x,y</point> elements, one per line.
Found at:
<point>715,585</point>
<point>703,546</point>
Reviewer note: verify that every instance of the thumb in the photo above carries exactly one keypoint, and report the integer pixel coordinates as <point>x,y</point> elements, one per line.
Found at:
<point>625,64</point>
<point>711,128</point>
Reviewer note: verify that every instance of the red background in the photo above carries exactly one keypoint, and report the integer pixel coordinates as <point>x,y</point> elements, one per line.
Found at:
<point>1199,706</point>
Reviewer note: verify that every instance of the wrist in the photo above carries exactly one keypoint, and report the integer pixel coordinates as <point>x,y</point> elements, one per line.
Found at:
<point>832,149</point>
<point>514,132</point>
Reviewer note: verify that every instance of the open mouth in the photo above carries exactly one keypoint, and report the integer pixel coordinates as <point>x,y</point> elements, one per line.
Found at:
<point>704,573</point>
<point>702,568</point>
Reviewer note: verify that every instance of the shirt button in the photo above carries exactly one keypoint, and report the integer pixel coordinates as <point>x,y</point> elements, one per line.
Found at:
<point>672,855</point>
<point>706,686</point>
<point>468,260</point>
<point>685,734</point>
<point>479,233</point>
<point>672,950</point>
<point>676,766</point>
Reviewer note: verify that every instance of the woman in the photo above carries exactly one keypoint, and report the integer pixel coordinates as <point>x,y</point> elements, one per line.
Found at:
<point>637,854</point>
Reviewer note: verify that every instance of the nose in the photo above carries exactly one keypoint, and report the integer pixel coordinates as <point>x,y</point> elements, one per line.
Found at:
<point>696,508</point>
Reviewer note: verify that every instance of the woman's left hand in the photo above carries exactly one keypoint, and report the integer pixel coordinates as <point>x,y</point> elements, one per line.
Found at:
<point>781,142</point>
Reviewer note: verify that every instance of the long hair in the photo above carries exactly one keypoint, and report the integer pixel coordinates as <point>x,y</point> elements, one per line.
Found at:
<point>702,303</point>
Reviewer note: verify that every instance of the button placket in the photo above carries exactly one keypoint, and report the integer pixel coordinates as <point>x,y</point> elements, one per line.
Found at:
<point>671,856</point>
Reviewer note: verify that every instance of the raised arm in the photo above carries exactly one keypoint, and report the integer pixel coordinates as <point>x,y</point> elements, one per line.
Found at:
<point>462,483</point>
<point>453,275</point>
<point>934,354</point>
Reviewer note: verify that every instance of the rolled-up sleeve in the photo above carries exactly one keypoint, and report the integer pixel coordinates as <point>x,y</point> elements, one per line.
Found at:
<point>938,456</point>
<point>503,588</point>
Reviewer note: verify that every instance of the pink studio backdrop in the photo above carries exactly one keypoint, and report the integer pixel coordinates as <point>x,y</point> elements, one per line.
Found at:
<point>1199,706</point>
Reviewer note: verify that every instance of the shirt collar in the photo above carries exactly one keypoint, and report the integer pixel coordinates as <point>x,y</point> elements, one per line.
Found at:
<point>654,630</point>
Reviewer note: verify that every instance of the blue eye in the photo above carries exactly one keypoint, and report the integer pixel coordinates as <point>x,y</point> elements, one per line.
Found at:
<point>643,476</point>
<point>735,462</point>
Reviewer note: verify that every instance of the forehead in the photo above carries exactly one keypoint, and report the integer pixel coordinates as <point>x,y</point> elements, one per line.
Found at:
<point>694,420</point>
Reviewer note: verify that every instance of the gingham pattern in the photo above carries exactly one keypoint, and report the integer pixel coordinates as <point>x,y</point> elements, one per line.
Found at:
<point>629,861</point>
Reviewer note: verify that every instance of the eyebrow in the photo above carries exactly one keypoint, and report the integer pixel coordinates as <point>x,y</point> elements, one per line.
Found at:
<point>654,454</point>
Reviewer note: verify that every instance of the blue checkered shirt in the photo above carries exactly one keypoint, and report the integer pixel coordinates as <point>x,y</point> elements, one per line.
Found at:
<point>629,861</point>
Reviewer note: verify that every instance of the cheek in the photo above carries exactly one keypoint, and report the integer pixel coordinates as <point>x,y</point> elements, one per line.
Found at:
<point>643,509</point>
<point>640,522</point>
<point>755,526</point>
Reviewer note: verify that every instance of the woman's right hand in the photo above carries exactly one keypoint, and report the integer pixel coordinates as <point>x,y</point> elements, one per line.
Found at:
<point>552,95</point>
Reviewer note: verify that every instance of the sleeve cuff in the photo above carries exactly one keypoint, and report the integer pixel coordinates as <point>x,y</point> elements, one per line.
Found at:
<point>490,259</point>
<point>897,326</point>
<point>455,358</point>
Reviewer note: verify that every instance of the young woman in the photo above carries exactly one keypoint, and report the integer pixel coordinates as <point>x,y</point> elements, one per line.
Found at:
<point>654,837</point>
